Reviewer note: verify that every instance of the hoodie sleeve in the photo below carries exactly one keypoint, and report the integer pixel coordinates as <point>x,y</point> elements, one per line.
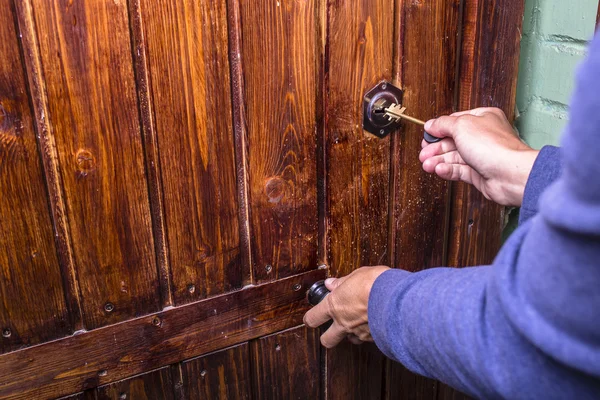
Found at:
<point>528,325</point>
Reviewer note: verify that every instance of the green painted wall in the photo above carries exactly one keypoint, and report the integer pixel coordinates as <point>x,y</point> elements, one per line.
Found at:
<point>555,36</point>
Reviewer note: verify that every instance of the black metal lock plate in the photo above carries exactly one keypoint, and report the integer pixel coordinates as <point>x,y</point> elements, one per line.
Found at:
<point>375,101</point>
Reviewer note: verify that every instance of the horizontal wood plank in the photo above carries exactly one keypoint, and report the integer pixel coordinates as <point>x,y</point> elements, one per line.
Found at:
<point>116,352</point>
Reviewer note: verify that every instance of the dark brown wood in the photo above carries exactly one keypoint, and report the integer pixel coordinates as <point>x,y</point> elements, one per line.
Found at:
<point>93,115</point>
<point>354,372</point>
<point>286,365</point>
<point>33,308</point>
<point>488,77</point>
<point>598,17</point>
<point>420,201</point>
<point>190,90</point>
<point>403,384</point>
<point>358,164</point>
<point>153,385</point>
<point>241,137</point>
<point>49,155</point>
<point>118,351</point>
<point>420,209</point>
<point>280,57</point>
<point>224,375</point>
<point>153,172</point>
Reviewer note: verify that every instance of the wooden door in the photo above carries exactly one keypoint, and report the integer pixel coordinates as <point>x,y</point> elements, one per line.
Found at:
<point>175,174</point>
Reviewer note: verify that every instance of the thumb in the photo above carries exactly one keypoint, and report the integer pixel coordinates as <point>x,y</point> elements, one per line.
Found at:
<point>441,127</point>
<point>332,283</point>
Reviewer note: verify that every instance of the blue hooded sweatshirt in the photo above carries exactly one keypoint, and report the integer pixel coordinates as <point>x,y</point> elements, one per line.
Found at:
<point>527,326</point>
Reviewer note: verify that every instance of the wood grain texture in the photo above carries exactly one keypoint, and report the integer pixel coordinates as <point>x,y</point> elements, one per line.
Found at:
<point>224,375</point>
<point>428,46</point>
<point>153,171</point>
<point>155,385</point>
<point>93,113</point>
<point>187,51</point>
<point>425,67</point>
<point>401,384</point>
<point>33,308</point>
<point>488,78</point>
<point>119,351</point>
<point>355,372</point>
<point>280,56</point>
<point>358,171</point>
<point>287,365</point>
<point>241,137</point>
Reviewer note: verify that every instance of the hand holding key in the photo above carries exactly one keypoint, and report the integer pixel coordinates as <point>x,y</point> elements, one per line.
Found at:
<point>396,112</point>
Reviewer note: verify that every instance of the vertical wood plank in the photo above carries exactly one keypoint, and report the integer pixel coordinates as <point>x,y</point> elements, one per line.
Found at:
<point>224,375</point>
<point>488,77</point>
<point>150,141</point>
<point>280,55</point>
<point>428,53</point>
<point>187,51</point>
<point>93,113</point>
<point>150,386</point>
<point>286,365</point>
<point>425,67</point>
<point>33,307</point>
<point>359,56</point>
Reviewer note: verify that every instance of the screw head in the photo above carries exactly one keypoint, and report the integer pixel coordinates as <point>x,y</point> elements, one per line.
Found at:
<point>384,86</point>
<point>203,373</point>
<point>381,131</point>
<point>102,372</point>
<point>268,268</point>
<point>109,307</point>
<point>191,288</point>
<point>123,396</point>
<point>156,321</point>
<point>297,287</point>
<point>277,347</point>
<point>6,332</point>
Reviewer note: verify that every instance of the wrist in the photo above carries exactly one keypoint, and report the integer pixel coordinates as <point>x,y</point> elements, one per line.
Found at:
<point>518,168</point>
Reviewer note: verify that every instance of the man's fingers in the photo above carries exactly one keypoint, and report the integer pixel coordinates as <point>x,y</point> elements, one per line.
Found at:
<point>454,172</point>
<point>352,338</point>
<point>441,127</point>
<point>332,336</point>
<point>434,149</point>
<point>452,157</point>
<point>318,315</point>
<point>332,283</point>
<point>478,112</point>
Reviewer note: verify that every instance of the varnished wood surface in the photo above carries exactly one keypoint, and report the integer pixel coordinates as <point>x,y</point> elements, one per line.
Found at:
<point>187,53</point>
<point>279,53</point>
<point>118,351</point>
<point>156,385</point>
<point>488,77</point>
<point>223,375</point>
<point>188,148</point>
<point>33,308</point>
<point>93,116</point>
<point>287,365</point>
<point>359,55</point>
<point>420,201</point>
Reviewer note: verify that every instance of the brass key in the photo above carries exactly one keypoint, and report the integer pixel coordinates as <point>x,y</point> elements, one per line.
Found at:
<point>396,112</point>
